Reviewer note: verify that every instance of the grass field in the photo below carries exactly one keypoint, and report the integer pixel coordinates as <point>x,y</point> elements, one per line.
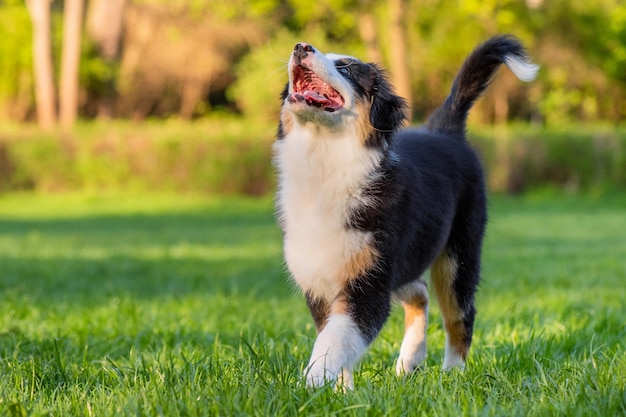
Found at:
<point>179,306</point>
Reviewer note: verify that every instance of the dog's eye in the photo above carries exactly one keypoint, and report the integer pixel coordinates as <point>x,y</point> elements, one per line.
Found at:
<point>344,70</point>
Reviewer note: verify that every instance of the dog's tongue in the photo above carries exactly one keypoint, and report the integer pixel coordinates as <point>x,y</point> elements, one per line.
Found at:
<point>317,97</point>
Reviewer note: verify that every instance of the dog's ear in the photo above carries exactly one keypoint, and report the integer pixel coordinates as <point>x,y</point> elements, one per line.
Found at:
<point>388,111</point>
<point>281,127</point>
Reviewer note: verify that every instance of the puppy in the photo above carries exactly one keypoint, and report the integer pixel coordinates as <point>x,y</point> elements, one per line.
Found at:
<point>366,206</point>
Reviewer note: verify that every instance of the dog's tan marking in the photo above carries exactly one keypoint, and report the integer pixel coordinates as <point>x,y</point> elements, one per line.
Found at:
<point>457,335</point>
<point>339,305</point>
<point>414,300</point>
<point>414,309</point>
<point>443,273</point>
<point>321,310</point>
<point>359,263</point>
<point>365,125</point>
<point>355,267</point>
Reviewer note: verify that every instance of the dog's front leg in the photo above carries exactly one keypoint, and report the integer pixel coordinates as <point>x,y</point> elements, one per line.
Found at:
<point>336,350</point>
<point>338,346</point>
<point>353,320</point>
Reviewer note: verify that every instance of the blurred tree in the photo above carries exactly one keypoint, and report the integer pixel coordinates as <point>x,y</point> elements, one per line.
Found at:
<point>70,59</point>
<point>346,26</point>
<point>586,44</point>
<point>104,25</point>
<point>398,49</point>
<point>187,57</point>
<point>367,30</point>
<point>16,61</point>
<point>104,28</point>
<point>177,55</point>
<point>42,62</point>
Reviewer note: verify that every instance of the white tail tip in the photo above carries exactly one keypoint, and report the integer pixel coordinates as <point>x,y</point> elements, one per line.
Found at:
<point>524,70</point>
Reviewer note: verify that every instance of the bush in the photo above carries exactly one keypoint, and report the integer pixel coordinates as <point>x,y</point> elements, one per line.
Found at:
<point>233,156</point>
<point>522,158</point>
<point>216,156</point>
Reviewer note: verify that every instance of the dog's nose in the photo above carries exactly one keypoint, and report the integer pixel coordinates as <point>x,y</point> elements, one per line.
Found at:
<point>301,51</point>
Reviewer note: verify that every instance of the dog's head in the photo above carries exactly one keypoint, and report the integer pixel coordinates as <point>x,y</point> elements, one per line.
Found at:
<point>339,92</point>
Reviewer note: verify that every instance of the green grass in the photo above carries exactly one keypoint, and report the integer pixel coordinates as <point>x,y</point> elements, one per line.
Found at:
<point>179,305</point>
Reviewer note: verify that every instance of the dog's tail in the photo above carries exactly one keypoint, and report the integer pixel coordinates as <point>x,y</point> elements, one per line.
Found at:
<point>475,76</point>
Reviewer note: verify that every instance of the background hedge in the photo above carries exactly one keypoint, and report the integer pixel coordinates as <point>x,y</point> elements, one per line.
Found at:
<point>233,156</point>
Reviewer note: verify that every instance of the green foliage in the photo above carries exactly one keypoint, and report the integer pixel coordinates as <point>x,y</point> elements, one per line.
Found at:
<point>329,17</point>
<point>262,74</point>
<point>214,156</point>
<point>616,41</point>
<point>179,305</point>
<point>15,60</point>
<point>233,155</point>
<point>196,63</point>
<point>97,74</point>
<point>582,63</point>
<point>600,33</point>
<point>524,158</point>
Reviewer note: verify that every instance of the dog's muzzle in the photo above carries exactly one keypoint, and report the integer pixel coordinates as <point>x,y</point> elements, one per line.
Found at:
<point>307,86</point>
<point>301,51</point>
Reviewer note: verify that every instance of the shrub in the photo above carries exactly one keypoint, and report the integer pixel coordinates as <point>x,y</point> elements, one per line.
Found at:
<point>233,156</point>
<point>521,158</point>
<point>224,156</point>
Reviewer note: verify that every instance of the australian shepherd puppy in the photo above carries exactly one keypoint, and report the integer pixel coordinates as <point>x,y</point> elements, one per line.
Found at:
<point>366,206</point>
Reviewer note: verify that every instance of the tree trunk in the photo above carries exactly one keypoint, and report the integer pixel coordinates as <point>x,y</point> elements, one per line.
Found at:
<point>70,59</point>
<point>367,30</point>
<point>397,38</point>
<point>105,22</point>
<point>39,11</point>
<point>190,96</point>
<point>104,25</point>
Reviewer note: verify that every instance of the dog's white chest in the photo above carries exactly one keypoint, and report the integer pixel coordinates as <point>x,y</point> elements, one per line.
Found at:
<point>318,248</point>
<point>318,184</point>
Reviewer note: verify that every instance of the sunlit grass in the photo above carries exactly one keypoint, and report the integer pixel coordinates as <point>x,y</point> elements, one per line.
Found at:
<point>179,305</point>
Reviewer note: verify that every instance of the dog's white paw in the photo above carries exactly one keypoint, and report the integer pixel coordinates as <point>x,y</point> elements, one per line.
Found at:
<point>336,350</point>
<point>452,359</point>
<point>317,375</point>
<point>413,348</point>
<point>409,361</point>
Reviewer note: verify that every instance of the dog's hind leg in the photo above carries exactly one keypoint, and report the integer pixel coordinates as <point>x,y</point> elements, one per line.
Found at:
<point>414,300</point>
<point>455,279</point>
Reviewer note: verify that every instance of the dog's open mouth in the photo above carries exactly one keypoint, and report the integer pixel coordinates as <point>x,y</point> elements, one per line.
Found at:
<point>309,88</point>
